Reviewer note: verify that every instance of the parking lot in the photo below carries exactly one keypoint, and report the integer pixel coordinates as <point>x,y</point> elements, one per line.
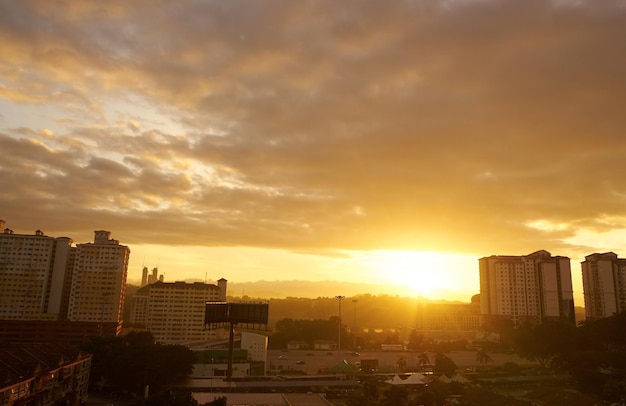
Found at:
<point>312,361</point>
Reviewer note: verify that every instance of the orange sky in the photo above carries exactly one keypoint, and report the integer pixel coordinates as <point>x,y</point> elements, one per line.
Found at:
<point>271,140</point>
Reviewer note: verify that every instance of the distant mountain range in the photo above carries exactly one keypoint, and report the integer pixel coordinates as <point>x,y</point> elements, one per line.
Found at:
<point>314,289</point>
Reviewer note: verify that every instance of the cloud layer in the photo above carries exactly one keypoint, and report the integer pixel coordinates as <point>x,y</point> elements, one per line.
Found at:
<point>465,126</point>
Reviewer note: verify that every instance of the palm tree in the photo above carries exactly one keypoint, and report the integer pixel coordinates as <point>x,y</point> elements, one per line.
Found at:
<point>423,359</point>
<point>444,365</point>
<point>482,356</point>
<point>401,363</point>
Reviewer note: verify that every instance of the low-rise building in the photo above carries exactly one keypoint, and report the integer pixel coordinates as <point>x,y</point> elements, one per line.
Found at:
<point>214,363</point>
<point>297,345</point>
<point>43,374</point>
<point>325,345</point>
<point>256,346</point>
<point>433,318</point>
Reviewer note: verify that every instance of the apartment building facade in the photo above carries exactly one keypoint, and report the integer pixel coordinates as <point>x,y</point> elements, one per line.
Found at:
<point>174,311</point>
<point>528,288</point>
<point>98,286</point>
<point>604,285</point>
<point>46,280</point>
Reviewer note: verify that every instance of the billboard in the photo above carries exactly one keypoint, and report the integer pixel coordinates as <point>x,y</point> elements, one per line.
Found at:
<point>216,312</point>
<point>249,312</point>
<point>247,315</point>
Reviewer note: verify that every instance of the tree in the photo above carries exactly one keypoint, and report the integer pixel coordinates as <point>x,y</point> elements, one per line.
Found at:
<point>549,343</point>
<point>395,396</point>
<point>482,356</point>
<point>135,360</point>
<point>393,338</point>
<point>505,330</point>
<point>423,359</point>
<point>444,365</point>
<point>401,363</point>
<point>416,341</point>
<point>368,396</point>
<point>306,330</point>
<point>425,397</point>
<point>434,394</point>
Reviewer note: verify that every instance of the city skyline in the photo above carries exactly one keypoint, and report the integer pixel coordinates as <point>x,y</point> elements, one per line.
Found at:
<point>383,142</point>
<point>606,290</point>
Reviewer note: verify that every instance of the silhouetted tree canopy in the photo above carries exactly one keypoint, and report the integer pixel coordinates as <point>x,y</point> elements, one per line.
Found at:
<point>132,361</point>
<point>395,396</point>
<point>483,356</point>
<point>548,343</point>
<point>444,365</point>
<point>308,331</point>
<point>593,353</point>
<point>599,363</point>
<point>416,341</point>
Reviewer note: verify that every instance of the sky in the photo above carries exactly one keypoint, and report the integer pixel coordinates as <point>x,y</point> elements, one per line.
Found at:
<point>379,141</point>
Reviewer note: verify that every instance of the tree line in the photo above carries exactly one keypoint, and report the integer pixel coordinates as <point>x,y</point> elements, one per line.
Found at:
<point>309,332</point>
<point>593,353</point>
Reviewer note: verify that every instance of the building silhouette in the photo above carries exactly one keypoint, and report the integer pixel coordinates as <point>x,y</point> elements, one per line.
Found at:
<point>249,356</point>
<point>45,281</point>
<point>174,311</point>
<point>448,320</point>
<point>604,285</point>
<point>147,279</point>
<point>529,288</point>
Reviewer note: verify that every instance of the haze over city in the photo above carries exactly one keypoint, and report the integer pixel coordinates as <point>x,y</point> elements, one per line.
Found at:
<point>389,142</point>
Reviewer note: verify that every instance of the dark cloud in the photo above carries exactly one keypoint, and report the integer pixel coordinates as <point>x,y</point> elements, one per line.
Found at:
<point>318,125</point>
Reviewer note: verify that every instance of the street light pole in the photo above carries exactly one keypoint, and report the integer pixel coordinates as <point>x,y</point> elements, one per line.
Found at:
<point>354,303</point>
<point>339,298</point>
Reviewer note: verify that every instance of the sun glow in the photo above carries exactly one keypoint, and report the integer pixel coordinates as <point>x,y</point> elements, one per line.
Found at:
<point>430,274</point>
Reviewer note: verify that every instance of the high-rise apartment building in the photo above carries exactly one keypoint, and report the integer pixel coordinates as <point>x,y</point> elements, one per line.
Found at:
<point>98,283</point>
<point>32,275</point>
<point>604,285</point>
<point>534,288</point>
<point>174,311</point>
<point>46,279</point>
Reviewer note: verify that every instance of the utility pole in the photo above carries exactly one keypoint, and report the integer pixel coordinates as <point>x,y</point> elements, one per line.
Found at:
<point>354,333</point>
<point>339,298</point>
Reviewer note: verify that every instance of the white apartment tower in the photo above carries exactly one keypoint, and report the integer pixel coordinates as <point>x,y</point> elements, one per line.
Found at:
<point>534,288</point>
<point>44,278</point>
<point>99,280</point>
<point>604,285</point>
<point>174,311</point>
<point>32,275</point>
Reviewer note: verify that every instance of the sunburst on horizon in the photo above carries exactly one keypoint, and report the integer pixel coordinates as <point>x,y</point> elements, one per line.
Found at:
<point>425,273</point>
